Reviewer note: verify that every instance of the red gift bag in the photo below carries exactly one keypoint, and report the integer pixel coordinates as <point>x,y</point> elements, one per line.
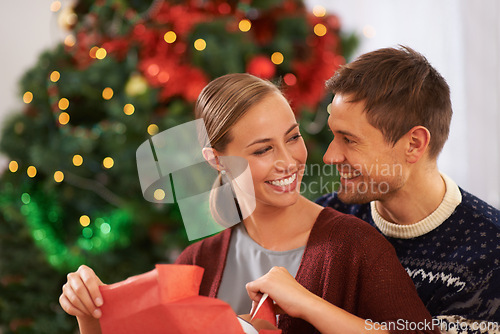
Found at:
<point>165,300</point>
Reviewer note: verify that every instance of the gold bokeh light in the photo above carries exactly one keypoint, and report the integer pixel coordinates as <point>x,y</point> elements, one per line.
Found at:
<point>277,58</point>
<point>108,162</point>
<point>77,160</point>
<point>200,44</point>
<point>170,37</point>
<point>58,176</point>
<point>28,97</point>
<point>129,109</point>
<point>107,93</point>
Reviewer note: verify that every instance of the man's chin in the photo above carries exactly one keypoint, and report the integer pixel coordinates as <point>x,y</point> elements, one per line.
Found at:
<point>353,197</point>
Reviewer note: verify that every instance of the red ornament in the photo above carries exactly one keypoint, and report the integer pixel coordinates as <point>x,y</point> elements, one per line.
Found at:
<point>262,67</point>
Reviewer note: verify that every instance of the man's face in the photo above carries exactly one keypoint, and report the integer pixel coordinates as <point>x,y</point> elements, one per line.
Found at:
<point>369,167</point>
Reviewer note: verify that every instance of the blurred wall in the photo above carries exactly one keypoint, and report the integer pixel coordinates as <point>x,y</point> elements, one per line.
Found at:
<point>461,38</point>
<point>27,27</point>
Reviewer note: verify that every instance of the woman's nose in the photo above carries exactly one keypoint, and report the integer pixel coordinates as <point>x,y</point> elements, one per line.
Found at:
<point>285,160</point>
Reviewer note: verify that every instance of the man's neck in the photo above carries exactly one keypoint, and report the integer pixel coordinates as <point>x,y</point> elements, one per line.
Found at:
<point>420,196</point>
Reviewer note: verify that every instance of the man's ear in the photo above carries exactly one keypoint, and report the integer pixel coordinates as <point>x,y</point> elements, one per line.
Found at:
<point>212,157</point>
<point>418,142</point>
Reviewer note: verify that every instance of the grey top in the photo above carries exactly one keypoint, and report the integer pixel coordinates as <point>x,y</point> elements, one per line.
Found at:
<point>246,261</point>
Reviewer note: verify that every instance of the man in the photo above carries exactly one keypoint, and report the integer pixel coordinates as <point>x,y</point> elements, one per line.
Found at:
<point>390,118</point>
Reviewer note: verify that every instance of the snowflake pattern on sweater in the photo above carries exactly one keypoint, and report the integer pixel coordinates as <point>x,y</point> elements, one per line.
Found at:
<point>456,266</point>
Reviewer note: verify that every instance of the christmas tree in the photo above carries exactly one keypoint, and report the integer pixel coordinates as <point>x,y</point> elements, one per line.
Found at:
<point>127,70</point>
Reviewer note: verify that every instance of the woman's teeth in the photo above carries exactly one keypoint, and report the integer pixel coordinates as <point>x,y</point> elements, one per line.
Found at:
<point>350,175</point>
<point>284,182</point>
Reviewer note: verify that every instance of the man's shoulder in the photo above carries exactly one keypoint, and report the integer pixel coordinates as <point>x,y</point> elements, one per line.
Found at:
<point>477,210</point>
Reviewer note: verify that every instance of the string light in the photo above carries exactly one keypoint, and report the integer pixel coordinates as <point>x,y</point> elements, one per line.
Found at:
<point>31,171</point>
<point>55,76</point>
<point>290,79</point>
<point>224,8</point>
<point>93,51</point>
<point>153,129</point>
<point>154,69</point>
<point>84,220</point>
<point>28,97</point>
<point>25,198</point>
<point>129,109</point>
<point>245,25</point>
<point>105,228</point>
<point>58,176</point>
<point>55,6</point>
<point>170,37</point>
<point>77,160</point>
<point>101,53</point>
<point>87,233</point>
<point>107,93</point>
<point>277,58</point>
<point>70,40</point>
<point>63,103</point>
<point>13,166</point>
<point>159,194</point>
<point>200,44</point>
<point>319,11</point>
<point>163,77</point>
<point>108,162</point>
<point>64,118</point>
<point>320,29</point>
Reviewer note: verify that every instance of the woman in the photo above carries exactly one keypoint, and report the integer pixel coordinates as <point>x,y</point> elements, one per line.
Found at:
<point>330,271</point>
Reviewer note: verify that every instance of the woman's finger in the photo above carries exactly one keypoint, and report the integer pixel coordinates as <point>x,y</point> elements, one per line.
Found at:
<point>78,293</point>
<point>92,282</point>
<point>253,290</point>
<point>69,307</point>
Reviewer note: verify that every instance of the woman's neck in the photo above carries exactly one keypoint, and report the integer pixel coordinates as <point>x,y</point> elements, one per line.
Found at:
<point>282,228</point>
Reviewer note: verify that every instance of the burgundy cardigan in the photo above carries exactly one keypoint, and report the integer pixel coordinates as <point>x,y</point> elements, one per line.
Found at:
<point>346,262</point>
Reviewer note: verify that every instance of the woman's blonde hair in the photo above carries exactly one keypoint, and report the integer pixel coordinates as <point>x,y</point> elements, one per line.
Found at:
<point>225,100</point>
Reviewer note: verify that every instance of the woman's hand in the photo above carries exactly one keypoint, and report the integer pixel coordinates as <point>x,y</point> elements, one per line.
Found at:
<point>287,293</point>
<point>81,296</point>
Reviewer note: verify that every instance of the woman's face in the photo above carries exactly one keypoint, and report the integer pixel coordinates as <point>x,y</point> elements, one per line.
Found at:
<point>268,137</point>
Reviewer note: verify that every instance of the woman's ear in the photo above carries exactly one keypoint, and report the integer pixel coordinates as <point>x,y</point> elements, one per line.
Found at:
<point>418,142</point>
<point>212,157</point>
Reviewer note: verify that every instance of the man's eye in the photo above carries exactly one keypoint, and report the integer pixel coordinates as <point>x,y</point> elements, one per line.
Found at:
<point>348,141</point>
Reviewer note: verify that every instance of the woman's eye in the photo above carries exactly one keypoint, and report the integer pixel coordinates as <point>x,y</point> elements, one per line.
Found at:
<point>295,137</point>
<point>262,151</point>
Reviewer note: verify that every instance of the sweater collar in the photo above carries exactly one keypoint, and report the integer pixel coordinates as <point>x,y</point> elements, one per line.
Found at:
<point>452,198</point>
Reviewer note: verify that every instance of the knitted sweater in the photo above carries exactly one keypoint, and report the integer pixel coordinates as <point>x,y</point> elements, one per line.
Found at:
<point>453,256</point>
<point>346,262</point>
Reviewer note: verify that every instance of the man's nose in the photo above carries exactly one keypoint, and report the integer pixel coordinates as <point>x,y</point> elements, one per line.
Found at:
<point>333,154</point>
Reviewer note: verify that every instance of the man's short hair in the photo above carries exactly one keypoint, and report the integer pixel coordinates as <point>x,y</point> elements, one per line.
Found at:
<point>400,90</point>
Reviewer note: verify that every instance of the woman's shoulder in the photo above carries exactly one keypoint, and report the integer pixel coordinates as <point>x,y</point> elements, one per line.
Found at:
<point>335,225</point>
<point>205,247</point>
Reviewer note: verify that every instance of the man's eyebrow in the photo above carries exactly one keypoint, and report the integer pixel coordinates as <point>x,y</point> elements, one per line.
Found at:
<point>347,133</point>
<point>265,140</point>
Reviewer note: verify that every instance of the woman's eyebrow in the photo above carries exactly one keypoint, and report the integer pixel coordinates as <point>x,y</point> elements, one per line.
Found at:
<point>265,140</point>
